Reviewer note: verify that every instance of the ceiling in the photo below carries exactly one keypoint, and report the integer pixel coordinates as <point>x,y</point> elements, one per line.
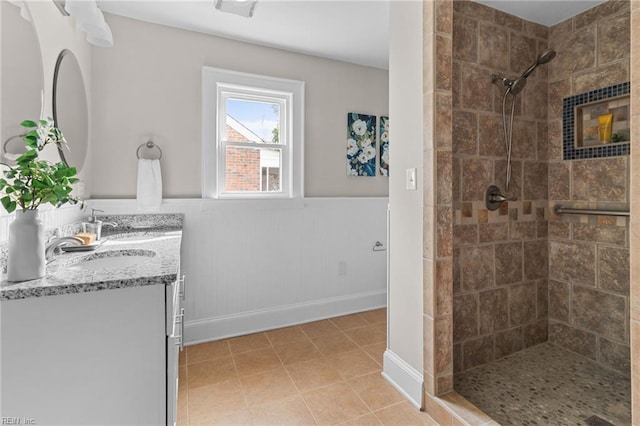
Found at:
<point>545,12</point>
<point>355,31</point>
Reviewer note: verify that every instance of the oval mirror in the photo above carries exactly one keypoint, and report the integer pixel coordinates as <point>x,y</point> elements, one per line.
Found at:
<point>70,109</point>
<point>22,79</point>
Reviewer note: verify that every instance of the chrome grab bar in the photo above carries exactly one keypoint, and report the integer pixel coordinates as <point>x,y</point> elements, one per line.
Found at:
<point>559,209</point>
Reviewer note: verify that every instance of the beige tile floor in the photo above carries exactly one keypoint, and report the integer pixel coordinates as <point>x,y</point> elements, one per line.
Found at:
<point>320,373</point>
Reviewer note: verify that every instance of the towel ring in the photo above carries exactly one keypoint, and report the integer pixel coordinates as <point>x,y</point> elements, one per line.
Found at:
<point>378,247</point>
<point>4,145</point>
<point>149,145</point>
<point>11,156</point>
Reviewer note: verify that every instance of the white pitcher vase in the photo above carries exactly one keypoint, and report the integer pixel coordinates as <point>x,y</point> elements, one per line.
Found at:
<point>26,260</point>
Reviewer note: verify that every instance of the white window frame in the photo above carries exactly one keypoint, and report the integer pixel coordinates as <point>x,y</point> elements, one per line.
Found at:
<point>219,85</point>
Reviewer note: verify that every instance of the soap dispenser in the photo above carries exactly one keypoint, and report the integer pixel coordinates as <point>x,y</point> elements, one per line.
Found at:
<point>93,224</point>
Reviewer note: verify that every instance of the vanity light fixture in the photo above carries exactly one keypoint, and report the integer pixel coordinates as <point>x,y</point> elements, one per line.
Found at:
<point>60,5</point>
<point>102,38</point>
<point>242,8</point>
<point>24,11</point>
<point>90,19</point>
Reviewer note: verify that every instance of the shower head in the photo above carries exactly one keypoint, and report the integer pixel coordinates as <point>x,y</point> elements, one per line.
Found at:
<point>499,79</point>
<point>517,85</point>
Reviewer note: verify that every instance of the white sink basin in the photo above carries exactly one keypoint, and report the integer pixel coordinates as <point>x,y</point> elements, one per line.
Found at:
<point>114,259</point>
<point>135,236</point>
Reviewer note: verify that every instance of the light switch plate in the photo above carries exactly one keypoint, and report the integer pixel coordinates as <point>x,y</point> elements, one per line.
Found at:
<point>411,179</point>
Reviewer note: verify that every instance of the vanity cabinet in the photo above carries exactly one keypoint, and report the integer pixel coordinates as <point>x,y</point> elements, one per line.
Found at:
<point>100,357</point>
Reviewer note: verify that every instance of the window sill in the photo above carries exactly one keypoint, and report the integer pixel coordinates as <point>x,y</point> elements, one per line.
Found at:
<point>252,203</point>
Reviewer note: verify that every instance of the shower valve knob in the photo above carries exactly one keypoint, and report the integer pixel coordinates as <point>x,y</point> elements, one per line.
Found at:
<point>501,198</point>
<point>493,198</point>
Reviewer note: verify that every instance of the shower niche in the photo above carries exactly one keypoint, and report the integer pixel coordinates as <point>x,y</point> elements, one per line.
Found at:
<point>603,122</point>
<point>597,123</point>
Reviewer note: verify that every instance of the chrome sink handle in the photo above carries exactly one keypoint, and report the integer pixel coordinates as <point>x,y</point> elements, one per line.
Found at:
<point>50,248</point>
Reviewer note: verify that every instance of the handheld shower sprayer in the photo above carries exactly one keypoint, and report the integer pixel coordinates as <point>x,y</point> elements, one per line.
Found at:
<point>515,86</point>
<point>519,83</point>
<point>545,57</point>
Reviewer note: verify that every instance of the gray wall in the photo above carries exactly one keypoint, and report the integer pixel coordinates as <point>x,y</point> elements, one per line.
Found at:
<point>405,221</point>
<point>149,84</point>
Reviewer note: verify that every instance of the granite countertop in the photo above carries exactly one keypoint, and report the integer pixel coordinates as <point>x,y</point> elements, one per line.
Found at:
<point>161,244</point>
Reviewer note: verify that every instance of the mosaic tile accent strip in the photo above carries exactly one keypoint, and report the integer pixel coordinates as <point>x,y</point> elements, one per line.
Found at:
<point>474,212</point>
<point>570,152</point>
<point>546,385</point>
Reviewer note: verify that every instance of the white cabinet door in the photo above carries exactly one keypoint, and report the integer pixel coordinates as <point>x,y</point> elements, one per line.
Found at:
<point>86,359</point>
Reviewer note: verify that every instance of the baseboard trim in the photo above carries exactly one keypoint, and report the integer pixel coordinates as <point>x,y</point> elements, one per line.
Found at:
<point>208,329</point>
<point>406,379</point>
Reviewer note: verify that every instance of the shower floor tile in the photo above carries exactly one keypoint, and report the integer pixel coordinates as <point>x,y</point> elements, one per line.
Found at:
<point>546,385</point>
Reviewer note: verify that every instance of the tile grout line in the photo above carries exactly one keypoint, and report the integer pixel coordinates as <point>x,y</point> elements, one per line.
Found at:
<point>300,395</point>
<point>344,379</point>
<point>271,345</point>
<point>186,385</point>
<point>242,390</point>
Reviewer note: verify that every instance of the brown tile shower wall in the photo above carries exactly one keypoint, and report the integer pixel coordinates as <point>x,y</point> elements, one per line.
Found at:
<point>589,255</point>
<point>500,257</point>
<point>438,211</point>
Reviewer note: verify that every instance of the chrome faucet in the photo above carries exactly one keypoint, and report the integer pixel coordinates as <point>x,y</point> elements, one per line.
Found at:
<point>103,224</point>
<point>50,248</point>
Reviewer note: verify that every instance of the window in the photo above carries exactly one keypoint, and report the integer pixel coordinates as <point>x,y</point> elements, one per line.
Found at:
<point>252,135</point>
<point>254,138</point>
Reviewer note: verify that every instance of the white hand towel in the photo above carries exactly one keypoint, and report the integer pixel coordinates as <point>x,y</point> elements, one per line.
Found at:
<point>149,185</point>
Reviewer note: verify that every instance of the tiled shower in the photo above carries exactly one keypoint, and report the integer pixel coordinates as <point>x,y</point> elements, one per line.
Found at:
<point>523,275</point>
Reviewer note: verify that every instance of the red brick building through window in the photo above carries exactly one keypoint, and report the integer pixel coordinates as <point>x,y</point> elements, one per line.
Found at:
<point>249,169</point>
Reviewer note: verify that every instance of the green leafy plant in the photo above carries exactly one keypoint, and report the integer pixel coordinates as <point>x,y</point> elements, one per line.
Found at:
<point>617,137</point>
<point>32,181</point>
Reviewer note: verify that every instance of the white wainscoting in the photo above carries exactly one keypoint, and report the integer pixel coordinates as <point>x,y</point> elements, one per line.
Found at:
<point>254,266</point>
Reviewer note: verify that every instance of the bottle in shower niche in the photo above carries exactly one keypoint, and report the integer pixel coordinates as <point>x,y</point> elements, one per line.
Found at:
<point>605,122</point>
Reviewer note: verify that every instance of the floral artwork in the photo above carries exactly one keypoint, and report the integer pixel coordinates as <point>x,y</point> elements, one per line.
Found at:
<point>361,145</point>
<point>384,146</point>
